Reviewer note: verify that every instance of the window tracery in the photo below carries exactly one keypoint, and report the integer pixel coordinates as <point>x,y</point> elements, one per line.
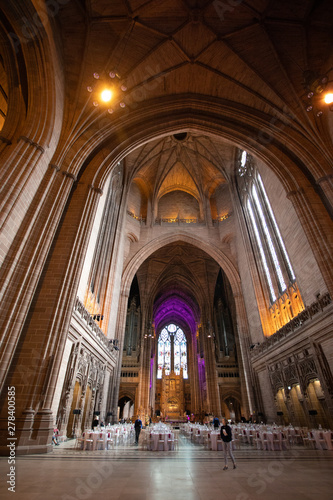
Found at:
<point>273,263</point>
<point>172,351</point>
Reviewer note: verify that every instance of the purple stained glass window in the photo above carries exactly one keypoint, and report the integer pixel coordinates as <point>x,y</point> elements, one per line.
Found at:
<point>172,340</point>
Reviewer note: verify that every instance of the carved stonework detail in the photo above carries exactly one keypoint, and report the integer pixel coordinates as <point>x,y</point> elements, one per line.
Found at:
<point>291,375</point>
<point>308,369</point>
<point>277,379</point>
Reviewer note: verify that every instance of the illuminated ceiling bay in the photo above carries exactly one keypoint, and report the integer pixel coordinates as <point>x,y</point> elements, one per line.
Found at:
<point>176,174</point>
<point>182,281</point>
<point>172,306</point>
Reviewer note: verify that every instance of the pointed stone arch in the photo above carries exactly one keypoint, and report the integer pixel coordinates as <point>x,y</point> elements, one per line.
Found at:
<point>148,249</point>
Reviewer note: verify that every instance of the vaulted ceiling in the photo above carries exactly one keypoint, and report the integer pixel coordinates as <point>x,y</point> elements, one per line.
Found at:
<point>252,53</point>
<point>179,279</point>
<point>188,162</point>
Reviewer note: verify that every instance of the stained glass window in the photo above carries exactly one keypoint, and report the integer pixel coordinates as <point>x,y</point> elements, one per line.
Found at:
<point>172,351</point>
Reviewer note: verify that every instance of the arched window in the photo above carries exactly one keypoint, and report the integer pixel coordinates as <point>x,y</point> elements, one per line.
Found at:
<point>172,351</point>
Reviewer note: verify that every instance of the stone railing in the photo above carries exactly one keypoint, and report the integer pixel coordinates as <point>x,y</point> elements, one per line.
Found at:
<point>179,222</point>
<point>135,217</point>
<point>217,221</point>
<point>93,327</point>
<point>307,314</point>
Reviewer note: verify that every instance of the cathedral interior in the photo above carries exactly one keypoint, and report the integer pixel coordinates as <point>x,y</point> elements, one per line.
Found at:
<point>166,213</point>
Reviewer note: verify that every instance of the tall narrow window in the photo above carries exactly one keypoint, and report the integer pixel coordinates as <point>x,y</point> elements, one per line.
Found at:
<point>262,252</point>
<point>268,237</point>
<point>278,281</point>
<point>277,231</point>
<point>172,351</point>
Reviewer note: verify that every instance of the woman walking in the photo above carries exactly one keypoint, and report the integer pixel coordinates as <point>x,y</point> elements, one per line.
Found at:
<point>226,436</point>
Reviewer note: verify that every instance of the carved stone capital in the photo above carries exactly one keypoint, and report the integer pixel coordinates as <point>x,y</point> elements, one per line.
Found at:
<point>70,176</point>
<point>55,167</point>
<point>5,140</point>
<point>96,189</point>
<point>31,142</point>
<point>327,177</point>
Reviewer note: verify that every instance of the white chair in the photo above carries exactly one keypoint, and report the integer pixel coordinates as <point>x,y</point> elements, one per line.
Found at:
<point>219,445</point>
<point>176,440</point>
<point>170,442</point>
<point>266,442</point>
<point>257,441</point>
<point>109,441</point>
<point>100,441</point>
<point>143,438</point>
<point>277,441</point>
<point>206,440</point>
<point>89,442</point>
<point>161,442</point>
<point>236,442</point>
<point>297,437</point>
<point>284,441</point>
<point>321,440</point>
<point>244,437</point>
<point>79,443</point>
<point>309,440</point>
<point>150,442</point>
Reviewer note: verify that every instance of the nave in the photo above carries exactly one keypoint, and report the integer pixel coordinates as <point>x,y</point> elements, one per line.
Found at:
<point>129,472</point>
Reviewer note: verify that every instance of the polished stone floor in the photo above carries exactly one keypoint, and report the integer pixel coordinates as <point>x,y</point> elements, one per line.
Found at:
<point>191,473</point>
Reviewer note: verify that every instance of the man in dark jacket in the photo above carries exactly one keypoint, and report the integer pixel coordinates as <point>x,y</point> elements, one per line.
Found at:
<point>226,436</point>
<point>137,427</point>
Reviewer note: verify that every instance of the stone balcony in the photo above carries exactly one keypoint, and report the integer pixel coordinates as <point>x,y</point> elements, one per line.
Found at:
<point>288,329</point>
<point>81,313</point>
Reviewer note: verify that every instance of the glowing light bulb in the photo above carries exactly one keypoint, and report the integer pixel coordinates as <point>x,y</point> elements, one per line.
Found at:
<point>106,95</point>
<point>328,98</point>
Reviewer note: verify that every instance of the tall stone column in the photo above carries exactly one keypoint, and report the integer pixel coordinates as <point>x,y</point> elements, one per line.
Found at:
<point>69,384</point>
<point>196,404</point>
<point>211,373</point>
<point>23,263</point>
<point>115,379</point>
<point>104,250</point>
<point>242,341</point>
<point>326,184</point>
<point>37,359</point>
<point>143,393</point>
<point>320,242</point>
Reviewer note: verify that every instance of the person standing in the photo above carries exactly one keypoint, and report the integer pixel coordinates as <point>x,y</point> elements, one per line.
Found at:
<point>216,423</point>
<point>137,428</point>
<point>226,436</point>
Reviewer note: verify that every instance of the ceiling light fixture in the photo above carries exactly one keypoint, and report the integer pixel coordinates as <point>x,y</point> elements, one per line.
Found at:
<point>106,91</point>
<point>316,87</point>
<point>106,95</point>
<point>109,89</point>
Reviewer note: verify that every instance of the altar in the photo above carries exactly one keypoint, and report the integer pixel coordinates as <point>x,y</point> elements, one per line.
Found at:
<point>172,397</point>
